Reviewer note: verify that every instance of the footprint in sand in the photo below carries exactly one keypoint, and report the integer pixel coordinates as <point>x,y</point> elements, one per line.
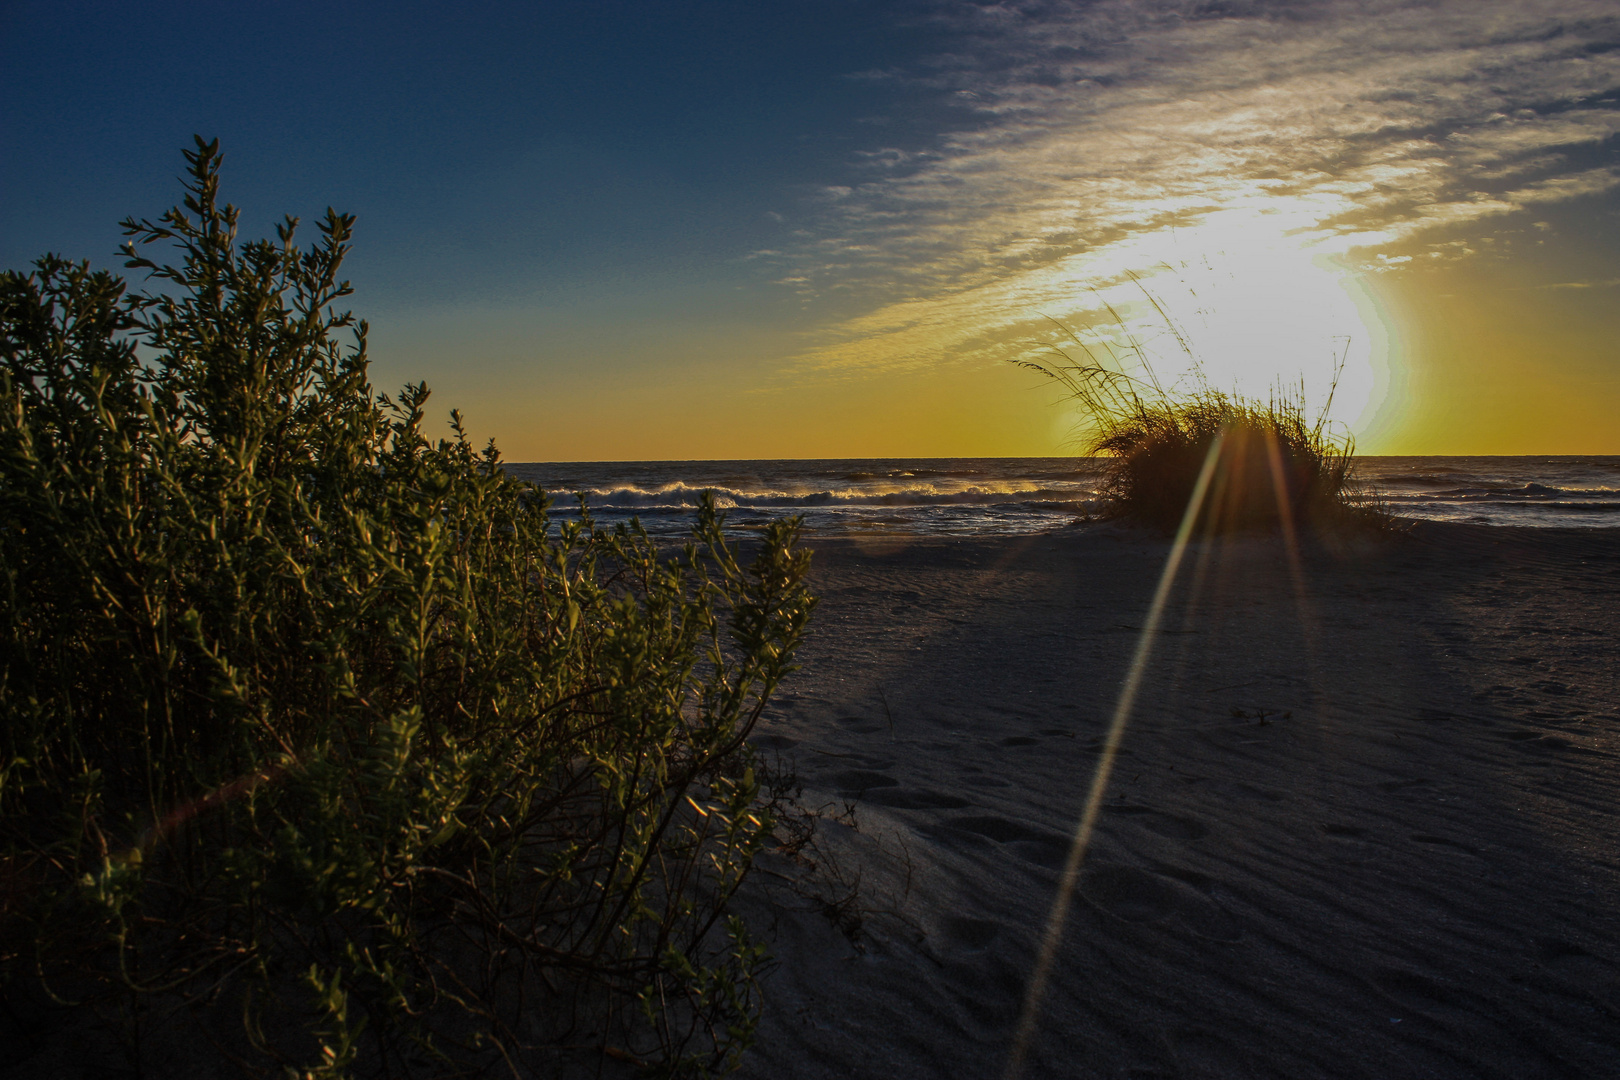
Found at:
<point>1001,830</point>
<point>1583,973</point>
<point>1355,844</point>
<point>992,990</point>
<point>1537,741</point>
<point>1551,950</point>
<point>859,781</point>
<point>970,935</point>
<point>1095,746</point>
<point>1201,882</point>
<point>1050,852</point>
<point>1142,896</point>
<point>1442,842</point>
<point>1031,844</point>
<point>902,799</point>
<point>1421,995</point>
<point>1176,828</point>
<point>1128,893</point>
<point>1201,1052</point>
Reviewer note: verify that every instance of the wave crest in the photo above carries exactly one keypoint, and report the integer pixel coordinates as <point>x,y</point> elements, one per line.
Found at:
<point>679,496</point>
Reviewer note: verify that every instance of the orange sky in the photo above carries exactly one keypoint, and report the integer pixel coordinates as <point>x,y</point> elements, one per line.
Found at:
<point>1464,355</point>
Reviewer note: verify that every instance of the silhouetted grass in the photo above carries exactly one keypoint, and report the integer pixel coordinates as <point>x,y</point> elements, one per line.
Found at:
<point>1273,466</point>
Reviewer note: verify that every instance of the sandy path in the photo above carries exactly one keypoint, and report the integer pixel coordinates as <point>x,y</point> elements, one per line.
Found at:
<point>1363,825</point>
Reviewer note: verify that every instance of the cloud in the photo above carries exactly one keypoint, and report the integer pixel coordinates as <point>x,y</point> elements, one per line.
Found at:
<point>1607,284</point>
<point>1559,188</point>
<point>1087,127</point>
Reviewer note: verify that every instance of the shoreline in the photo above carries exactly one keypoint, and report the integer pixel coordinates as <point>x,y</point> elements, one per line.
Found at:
<point>1360,825</point>
<point>987,497</point>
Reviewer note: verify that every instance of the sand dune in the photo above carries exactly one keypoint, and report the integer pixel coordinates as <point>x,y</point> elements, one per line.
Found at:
<point>1362,824</point>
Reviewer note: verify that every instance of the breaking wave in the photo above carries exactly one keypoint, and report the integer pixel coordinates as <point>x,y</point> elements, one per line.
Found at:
<point>682,496</point>
<point>999,496</point>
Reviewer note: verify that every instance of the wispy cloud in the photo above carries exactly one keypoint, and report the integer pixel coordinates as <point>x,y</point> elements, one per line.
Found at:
<point>1343,124</point>
<point>1606,284</point>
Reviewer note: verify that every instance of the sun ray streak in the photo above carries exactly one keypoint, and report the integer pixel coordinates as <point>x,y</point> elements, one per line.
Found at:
<point>1055,920</point>
<point>1285,515</point>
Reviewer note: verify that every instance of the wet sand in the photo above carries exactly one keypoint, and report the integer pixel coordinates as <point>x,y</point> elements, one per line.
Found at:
<point>1363,822</point>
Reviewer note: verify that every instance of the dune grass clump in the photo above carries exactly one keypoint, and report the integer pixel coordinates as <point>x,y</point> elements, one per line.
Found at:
<point>1271,465</point>
<point>323,751</point>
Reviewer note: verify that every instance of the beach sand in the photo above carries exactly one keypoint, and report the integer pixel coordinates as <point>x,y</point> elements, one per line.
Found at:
<point>1362,824</point>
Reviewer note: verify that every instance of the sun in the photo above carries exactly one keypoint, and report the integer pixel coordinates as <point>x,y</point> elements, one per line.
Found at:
<point>1241,302</point>
<point>1254,298</point>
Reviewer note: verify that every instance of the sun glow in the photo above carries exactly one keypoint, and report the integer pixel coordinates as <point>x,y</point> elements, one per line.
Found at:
<point>1240,302</point>
<point>1253,298</point>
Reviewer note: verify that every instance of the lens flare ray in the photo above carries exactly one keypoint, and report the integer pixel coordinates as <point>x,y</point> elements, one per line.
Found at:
<point>1055,920</point>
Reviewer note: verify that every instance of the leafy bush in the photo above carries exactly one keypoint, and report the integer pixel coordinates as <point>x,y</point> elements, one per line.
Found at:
<point>309,719</point>
<point>1270,465</point>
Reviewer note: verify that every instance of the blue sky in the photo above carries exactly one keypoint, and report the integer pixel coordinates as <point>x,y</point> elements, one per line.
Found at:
<point>616,230</point>
<point>490,149</point>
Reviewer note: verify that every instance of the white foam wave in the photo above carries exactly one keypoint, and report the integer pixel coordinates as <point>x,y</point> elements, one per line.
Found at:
<point>1505,493</point>
<point>678,495</point>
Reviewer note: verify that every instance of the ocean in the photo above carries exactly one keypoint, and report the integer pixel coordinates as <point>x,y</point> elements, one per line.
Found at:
<point>1010,496</point>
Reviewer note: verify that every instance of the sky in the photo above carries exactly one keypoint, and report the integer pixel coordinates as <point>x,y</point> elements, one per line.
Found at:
<point>611,230</point>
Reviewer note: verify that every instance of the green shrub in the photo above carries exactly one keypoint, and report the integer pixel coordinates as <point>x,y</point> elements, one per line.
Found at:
<point>308,719</point>
<point>1271,465</point>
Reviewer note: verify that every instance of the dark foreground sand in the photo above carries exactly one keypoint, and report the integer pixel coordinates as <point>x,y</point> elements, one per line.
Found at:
<point>1363,825</point>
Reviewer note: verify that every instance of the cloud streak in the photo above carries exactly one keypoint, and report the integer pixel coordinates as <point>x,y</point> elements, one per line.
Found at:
<point>1346,126</point>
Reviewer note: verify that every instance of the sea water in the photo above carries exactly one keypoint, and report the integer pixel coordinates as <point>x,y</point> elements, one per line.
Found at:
<point>1003,496</point>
